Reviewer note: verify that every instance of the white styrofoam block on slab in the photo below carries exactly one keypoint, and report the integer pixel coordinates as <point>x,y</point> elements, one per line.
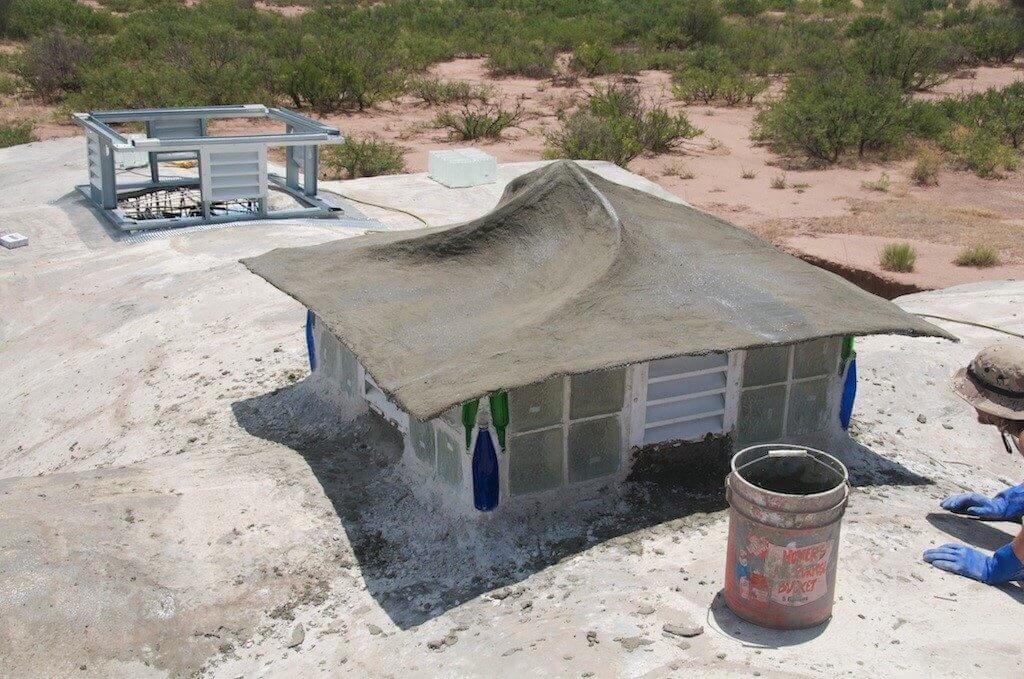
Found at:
<point>459,168</point>
<point>13,240</point>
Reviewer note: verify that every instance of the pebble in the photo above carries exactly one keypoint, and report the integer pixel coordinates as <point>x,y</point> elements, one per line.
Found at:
<point>633,643</point>
<point>922,419</point>
<point>592,638</point>
<point>645,609</point>
<point>683,630</point>
<point>298,636</point>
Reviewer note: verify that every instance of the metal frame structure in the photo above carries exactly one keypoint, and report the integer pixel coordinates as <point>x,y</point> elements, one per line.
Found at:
<point>232,169</point>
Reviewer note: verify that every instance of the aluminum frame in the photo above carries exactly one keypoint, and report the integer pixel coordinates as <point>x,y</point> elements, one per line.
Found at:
<point>180,133</point>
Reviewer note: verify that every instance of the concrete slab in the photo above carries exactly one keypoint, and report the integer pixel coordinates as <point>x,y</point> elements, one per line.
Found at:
<point>175,500</point>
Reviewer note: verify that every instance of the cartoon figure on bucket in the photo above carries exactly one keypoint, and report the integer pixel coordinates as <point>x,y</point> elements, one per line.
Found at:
<point>994,384</point>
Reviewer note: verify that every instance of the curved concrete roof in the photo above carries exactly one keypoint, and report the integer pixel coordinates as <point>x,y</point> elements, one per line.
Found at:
<point>569,273</point>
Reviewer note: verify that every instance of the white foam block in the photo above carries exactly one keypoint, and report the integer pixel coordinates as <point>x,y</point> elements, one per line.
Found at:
<point>459,168</point>
<point>13,240</point>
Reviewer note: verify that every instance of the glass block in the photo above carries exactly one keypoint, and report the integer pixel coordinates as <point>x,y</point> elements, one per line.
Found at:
<point>808,407</point>
<point>535,461</point>
<point>817,357</point>
<point>421,435</point>
<point>760,416</point>
<point>449,456</point>
<point>766,365</point>
<point>594,448</point>
<point>536,405</point>
<point>459,168</point>
<point>596,393</point>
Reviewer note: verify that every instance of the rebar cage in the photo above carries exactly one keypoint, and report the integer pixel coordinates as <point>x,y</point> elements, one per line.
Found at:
<point>232,183</point>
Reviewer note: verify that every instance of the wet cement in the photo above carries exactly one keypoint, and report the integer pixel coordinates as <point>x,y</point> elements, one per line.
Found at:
<point>792,478</point>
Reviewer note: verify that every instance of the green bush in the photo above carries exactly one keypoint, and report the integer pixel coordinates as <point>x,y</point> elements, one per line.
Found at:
<point>867,24</point>
<point>616,125</point>
<point>825,114</point>
<point>23,19</point>
<point>529,60</point>
<point>912,59</point>
<point>746,8</point>
<point>592,59</point>
<point>330,77</point>
<point>12,134</point>
<point>993,38</point>
<point>52,63</point>
<point>980,151</point>
<point>481,121</point>
<point>726,88</point>
<point>899,257</point>
<point>434,92</point>
<point>694,22</point>
<point>362,158</point>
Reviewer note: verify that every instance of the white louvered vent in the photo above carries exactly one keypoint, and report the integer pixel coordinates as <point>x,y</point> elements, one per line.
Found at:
<point>686,398</point>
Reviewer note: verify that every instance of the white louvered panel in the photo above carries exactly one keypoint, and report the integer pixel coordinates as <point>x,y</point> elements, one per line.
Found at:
<point>686,398</point>
<point>93,155</point>
<point>234,173</point>
<point>176,128</point>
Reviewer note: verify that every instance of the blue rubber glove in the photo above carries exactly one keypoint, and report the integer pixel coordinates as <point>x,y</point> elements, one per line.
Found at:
<point>1002,566</point>
<point>1008,504</point>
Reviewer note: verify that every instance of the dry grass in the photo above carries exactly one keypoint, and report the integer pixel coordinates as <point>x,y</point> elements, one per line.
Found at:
<point>979,256</point>
<point>909,219</point>
<point>926,168</point>
<point>778,182</point>
<point>882,184</point>
<point>899,257</point>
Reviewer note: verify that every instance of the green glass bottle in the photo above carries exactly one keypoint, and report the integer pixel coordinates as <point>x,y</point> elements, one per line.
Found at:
<point>469,409</point>
<point>499,414</point>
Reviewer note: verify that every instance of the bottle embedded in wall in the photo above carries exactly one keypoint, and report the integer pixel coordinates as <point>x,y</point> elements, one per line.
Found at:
<point>485,465</point>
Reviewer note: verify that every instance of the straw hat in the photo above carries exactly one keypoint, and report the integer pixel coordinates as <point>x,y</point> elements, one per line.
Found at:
<point>994,381</point>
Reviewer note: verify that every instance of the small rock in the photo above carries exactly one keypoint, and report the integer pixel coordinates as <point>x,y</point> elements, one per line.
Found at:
<point>683,630</point>
<point>502,593</point>
<point>592,638</point>
<point>298,636</point>
<point>684,645</point>
<point>720,656</point>
<point>645,609</point>
<point>374,630</point>
<point>633,643</point>
<point>947,425</point>
<point>922,419</point>
<point>435,644</point>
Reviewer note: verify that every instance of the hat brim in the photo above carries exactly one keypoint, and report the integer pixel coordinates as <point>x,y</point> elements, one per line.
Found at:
<point>986,401</point>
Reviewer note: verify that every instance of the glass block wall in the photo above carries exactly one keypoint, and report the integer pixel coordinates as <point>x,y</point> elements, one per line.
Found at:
<point>785,392</point>
<point>565,430</point>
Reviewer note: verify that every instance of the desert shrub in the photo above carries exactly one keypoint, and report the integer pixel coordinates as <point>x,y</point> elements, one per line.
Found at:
<point>778,182</point>
<point>530,60</point>
<point>913,11</point>
<point>980,256</point>
<point>695,22</point>
<point>617,125</point>
<point>362,158</point>
<point>711,86</point>
<point>23,19</point>
<point>479,121</point>
<point>329,77</point>
<point>837,6</point>
<point>825,114</point>
<point>9,84</point>
<point>435,92</point>
<point>912,59</point>
<point>926,168</point>
<point>747,8</point>
<point>12,134</point>
<point>899,257</point>
<point>592,59</point>
<point>989,36</point>
<point>867,24</point>
<point>52,63</point>
<point>1000,111</point>
<point>980,151</point>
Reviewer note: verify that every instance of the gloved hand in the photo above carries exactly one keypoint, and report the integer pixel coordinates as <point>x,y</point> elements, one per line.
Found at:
<point>1002,566</point>
<point>1008,504</point>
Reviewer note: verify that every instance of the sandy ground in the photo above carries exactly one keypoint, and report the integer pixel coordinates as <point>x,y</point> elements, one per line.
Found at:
<point>175,500</point>
<point>721,171</point>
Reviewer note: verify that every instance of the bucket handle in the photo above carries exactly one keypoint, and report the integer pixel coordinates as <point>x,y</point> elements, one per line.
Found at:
<point>790,452</point>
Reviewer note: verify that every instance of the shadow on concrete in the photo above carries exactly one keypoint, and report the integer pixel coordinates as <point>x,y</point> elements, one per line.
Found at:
<point>981,534</point>
<point>419,562</point>
<point>723,620</point>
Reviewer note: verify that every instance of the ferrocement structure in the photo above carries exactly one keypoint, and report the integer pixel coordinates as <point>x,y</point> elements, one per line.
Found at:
<point>596,322</point>
<point>233,183</point>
